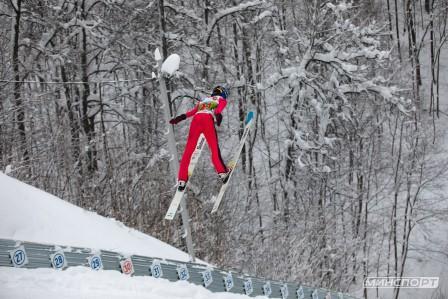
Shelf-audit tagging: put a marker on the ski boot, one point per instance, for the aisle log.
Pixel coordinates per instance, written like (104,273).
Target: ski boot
(181,185)
(224,176)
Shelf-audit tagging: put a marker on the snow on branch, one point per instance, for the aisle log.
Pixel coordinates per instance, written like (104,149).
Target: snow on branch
(340,7)
(332,58)
(346,60)
(388,93)
(292,73)
(225,12)
(343,58)
(182,10)
(260,17)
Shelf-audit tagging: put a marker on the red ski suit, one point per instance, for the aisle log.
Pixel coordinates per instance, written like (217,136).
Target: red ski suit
(203,122)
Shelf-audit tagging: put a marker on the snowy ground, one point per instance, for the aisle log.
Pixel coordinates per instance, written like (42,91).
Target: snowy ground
(83,283)
(30,214)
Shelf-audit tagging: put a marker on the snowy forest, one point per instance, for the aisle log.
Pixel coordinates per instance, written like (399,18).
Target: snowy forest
(341,175)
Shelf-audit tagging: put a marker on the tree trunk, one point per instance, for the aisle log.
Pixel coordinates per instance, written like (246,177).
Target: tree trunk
(207,42)
(432,58)
(394,215)
(397,30)
(389,16)
(163,29)
(19,106)
(74,124)
(414,55)
(88,122)
(162,24)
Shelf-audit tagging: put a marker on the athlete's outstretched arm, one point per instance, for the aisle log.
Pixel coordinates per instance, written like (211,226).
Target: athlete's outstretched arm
(192,112)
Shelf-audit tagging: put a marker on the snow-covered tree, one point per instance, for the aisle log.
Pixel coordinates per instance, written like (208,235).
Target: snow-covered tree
(329,188)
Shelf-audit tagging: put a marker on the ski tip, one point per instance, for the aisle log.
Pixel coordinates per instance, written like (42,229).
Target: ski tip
(169,216)
(215,208)
(249,117)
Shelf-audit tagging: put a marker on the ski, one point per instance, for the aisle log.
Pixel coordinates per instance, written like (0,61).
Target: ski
(175,202)
(248,124)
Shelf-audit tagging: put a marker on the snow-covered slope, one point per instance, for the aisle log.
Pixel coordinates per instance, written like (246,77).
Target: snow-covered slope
(82,283)
(30,214)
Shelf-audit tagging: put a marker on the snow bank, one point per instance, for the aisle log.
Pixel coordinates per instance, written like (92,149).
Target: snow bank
(29,214)
(81,282)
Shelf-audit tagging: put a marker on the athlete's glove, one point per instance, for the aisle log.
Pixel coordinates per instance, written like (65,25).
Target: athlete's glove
(178,119)
(218,118)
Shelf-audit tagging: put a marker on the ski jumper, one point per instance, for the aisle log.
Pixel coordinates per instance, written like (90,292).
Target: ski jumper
(203,122)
